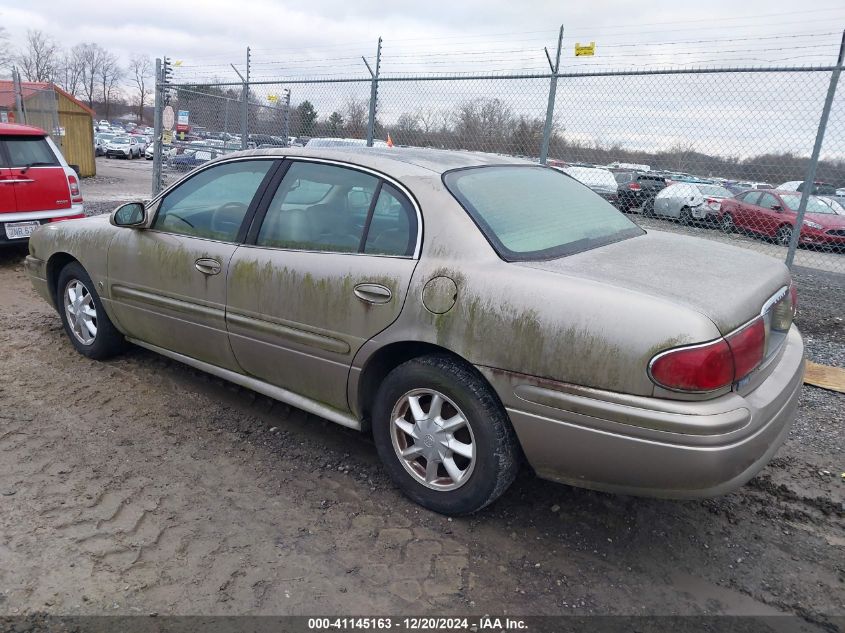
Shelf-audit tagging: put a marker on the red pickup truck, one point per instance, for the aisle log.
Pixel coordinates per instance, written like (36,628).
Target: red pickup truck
(36,183)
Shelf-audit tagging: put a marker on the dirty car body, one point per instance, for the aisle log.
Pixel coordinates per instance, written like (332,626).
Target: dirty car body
(397,291)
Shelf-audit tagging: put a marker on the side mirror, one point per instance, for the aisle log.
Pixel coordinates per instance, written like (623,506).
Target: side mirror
(130,214)
(776,207)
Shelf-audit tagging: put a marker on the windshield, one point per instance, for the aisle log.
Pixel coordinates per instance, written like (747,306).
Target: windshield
(536,212)
(714,190)
(814,204)
(120,141)
(834,204)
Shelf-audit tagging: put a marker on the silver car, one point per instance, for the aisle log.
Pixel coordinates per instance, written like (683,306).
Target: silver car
(690,202)
(469,311)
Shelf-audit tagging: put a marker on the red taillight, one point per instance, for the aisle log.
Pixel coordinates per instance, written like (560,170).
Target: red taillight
(634,186)
(75,193)
(704,367)
(748,346)
(711,366)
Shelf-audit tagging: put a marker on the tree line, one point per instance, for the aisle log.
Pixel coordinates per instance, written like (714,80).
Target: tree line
(86,70)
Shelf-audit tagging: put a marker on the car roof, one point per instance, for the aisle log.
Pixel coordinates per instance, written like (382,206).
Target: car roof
(435,161)
(16,129)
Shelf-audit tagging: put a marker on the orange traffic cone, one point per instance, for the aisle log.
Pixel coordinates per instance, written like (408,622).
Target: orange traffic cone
(389,140)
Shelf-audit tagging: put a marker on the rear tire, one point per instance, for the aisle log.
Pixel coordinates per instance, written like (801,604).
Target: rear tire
(685,218)
(727,223)
(443,435)
(648,208)
(85,320)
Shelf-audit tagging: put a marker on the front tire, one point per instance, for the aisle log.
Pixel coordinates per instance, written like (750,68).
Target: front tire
(685,217)
(727,223)
(443,435)
(85,320)
(784,235)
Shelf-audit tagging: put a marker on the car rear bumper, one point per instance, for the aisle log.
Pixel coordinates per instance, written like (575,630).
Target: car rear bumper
(651,446)
(42,217)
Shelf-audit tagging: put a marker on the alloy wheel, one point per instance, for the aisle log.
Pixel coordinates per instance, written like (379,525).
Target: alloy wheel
(784,235)
(81,312)
(433,439)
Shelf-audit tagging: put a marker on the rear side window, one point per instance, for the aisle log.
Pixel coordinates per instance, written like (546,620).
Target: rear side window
(393,226)
(750,197)
(536,212)
(33,151)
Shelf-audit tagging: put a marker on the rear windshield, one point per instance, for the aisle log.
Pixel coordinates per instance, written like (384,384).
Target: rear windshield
(537,212)
(33,151)
(714,190)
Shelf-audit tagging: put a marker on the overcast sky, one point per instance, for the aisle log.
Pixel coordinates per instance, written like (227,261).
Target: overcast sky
(449,35)
(328,37)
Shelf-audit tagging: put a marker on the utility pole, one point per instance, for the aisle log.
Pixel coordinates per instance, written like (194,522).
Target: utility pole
(371,121)
(550,109)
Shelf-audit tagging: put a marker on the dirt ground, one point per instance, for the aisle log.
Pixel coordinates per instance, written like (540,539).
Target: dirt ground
(140,486)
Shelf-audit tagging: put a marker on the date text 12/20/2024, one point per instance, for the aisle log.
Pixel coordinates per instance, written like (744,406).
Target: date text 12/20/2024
(483,623)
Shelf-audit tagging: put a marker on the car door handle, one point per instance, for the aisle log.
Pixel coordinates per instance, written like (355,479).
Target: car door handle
(17,180)
(373,293)
(208,266)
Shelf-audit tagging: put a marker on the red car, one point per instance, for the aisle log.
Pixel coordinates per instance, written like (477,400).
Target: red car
(772,213)
(36,183)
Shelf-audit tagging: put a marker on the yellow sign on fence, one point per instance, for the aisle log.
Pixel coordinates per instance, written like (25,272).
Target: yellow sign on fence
(586,49)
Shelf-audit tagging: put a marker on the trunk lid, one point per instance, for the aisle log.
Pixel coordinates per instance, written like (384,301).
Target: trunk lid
(728,285)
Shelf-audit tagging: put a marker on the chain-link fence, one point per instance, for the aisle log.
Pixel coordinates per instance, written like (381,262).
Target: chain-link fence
(30,104)
(728,154)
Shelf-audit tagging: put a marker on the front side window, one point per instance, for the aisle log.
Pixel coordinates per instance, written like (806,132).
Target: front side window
(536,212)
(213,203)
(767,201)
(316,208)
(33,151)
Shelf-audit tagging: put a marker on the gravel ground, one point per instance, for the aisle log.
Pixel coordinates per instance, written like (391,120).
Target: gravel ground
(140,485)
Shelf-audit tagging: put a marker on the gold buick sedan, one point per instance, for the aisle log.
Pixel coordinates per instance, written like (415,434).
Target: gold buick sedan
(473,312)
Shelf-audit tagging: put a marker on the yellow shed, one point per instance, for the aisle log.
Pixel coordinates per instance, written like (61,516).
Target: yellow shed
(69,122)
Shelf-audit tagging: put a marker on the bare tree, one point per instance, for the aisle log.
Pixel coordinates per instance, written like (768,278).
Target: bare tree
(427,119)
(5,51)
(40,57)
(90,57)
(356,118)
(141,70)
(70,71)
(110,74)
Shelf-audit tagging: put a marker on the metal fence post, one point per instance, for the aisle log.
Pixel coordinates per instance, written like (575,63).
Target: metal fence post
(550,108)
(245,106)
(287,117)
(157,131)
(371,120)
(18,90)
(807,188)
